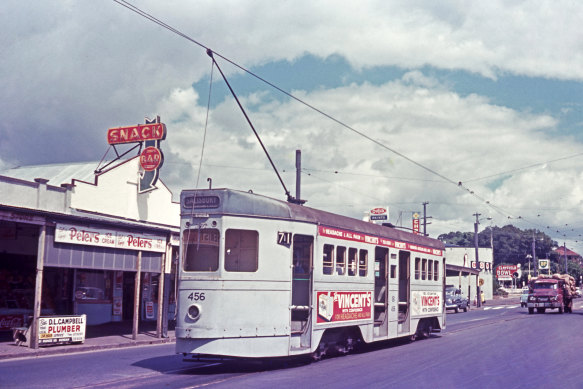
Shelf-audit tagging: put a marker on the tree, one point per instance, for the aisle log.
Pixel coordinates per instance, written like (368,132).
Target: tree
(511,245)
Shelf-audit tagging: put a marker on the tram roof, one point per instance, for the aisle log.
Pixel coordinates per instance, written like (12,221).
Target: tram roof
(241,203)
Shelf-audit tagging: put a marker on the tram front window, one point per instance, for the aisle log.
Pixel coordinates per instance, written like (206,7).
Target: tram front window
(241,250)
(201,249)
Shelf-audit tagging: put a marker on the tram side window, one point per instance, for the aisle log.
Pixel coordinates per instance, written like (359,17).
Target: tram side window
(424,269)
(362,262)
(340,260)
(417,270)
(393,271)
(352,261)
(328,259)
(201,249)
(430,270)
(436,270)
(241,250)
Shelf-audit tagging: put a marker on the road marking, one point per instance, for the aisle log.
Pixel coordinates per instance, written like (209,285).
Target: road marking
(501,307)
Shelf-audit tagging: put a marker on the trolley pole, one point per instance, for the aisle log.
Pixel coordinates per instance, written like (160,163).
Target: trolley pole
(478,295)
(298,173)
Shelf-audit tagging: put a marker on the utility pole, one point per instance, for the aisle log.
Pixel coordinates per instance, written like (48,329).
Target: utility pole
(425,217)
(565,254)
(478,295)
(533,254)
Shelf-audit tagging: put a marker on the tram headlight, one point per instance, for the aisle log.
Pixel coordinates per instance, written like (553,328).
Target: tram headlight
(193,312)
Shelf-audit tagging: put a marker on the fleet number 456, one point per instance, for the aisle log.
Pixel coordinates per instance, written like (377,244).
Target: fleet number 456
(196,296)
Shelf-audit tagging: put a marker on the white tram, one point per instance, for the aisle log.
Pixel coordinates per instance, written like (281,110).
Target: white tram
(259,277)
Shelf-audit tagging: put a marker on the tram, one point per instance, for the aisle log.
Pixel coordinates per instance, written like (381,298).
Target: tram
(261,278)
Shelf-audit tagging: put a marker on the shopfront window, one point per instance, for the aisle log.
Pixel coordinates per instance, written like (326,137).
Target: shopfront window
(93,285)
(201,249)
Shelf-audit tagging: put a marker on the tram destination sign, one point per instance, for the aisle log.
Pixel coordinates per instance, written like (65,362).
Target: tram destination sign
(202,202)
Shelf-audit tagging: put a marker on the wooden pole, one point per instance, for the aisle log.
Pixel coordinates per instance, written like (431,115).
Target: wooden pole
(40,260)
(137,296)
(161,294)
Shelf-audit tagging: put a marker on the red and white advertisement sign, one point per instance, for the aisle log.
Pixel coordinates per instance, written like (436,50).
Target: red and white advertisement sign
(9,321)
(357,237)
(505,272)
(379,215)
(138,133)
(149,310)
(425,302)
(483,265)
(61,329)
(66,233)
(415,224)
(150,159)
(344,306)
(117,306)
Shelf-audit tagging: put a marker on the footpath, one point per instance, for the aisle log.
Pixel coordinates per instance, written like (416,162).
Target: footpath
(118,335)
(105,336)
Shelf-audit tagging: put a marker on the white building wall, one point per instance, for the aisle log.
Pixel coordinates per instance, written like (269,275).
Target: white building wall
(464,256)
(32,195)
(116,193)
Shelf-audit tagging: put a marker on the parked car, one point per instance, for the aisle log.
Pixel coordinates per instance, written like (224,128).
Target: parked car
(524,296)
(454,299)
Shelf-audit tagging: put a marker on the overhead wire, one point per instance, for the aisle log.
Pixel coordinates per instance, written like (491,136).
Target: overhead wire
(524,168)
(459,184)
(341,123)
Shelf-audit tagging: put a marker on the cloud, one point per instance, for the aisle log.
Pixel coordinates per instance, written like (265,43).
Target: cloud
(457,137)
(72,69)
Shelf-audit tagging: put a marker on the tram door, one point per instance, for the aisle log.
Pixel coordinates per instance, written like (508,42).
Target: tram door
(393,308)
(301,289)
(381,291)
(404,286)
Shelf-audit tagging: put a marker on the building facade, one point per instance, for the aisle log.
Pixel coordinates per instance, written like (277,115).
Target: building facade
(73,241)
(462,271)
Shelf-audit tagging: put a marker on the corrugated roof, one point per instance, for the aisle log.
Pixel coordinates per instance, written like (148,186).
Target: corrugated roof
(57,174)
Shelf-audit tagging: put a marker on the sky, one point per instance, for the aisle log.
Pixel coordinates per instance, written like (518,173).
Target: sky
(470,107)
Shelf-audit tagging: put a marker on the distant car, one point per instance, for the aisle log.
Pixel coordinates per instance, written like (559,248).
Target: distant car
(454,299)
(524,297)
(578,291)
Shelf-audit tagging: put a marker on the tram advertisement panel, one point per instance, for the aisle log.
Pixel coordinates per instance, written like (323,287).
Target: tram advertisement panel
(344,306)
(425,302)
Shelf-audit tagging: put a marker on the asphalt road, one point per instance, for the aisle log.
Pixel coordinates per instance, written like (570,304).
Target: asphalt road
(491,348)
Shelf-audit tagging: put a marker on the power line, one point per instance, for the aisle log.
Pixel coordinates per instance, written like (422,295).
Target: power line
(524,168)
(459,184)
(341,123)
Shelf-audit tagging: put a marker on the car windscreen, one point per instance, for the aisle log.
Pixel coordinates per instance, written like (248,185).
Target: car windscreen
(545,285)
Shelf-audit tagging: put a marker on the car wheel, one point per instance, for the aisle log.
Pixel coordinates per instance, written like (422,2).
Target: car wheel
(466,308)
(457,309)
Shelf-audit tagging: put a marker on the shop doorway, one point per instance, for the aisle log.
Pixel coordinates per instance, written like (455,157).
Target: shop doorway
(129,280)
